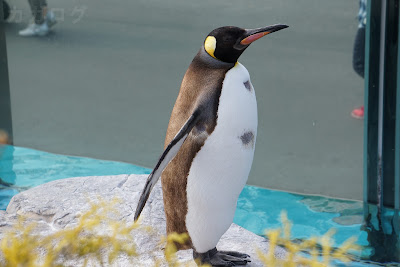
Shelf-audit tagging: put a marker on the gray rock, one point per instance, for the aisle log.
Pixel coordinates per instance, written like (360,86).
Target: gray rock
(58,204)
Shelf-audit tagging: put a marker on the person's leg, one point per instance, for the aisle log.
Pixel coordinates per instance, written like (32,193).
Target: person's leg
(39,26)
(359,52)
(39,10)
(358,65)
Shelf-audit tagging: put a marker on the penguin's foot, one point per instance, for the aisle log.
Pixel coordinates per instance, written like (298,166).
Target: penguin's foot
(221,258)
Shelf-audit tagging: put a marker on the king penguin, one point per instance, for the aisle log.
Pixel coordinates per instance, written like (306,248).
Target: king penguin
(209,145)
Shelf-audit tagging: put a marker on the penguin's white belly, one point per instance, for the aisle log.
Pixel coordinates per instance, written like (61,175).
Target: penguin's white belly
(220,169)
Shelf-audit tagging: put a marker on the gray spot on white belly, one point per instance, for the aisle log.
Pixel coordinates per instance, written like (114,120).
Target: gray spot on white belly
(247,139)
(247,85)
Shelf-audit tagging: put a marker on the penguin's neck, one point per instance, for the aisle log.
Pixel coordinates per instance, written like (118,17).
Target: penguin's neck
(203,58)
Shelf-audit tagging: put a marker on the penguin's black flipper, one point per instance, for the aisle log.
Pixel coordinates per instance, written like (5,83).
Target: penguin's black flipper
(168,154)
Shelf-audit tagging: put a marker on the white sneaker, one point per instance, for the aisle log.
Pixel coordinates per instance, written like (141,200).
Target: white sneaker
(34,29)
(50,19)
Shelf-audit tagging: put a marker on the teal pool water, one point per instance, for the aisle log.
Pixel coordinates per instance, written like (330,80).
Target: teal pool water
(22,168)
(258,208)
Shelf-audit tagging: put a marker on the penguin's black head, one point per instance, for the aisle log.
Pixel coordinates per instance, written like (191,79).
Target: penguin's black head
(228,43)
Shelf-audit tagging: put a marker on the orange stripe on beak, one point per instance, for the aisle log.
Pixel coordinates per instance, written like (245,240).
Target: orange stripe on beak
(248,40)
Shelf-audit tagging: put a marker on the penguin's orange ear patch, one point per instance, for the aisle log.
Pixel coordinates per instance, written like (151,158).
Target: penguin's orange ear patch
(249,39)
(210,44)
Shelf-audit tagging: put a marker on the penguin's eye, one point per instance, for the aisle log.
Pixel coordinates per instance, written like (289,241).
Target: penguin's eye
(227,40)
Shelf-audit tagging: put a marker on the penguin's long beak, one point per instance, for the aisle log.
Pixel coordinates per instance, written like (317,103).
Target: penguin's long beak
(252,35)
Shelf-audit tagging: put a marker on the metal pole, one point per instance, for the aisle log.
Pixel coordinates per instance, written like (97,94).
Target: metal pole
(397,136)
(380,105)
